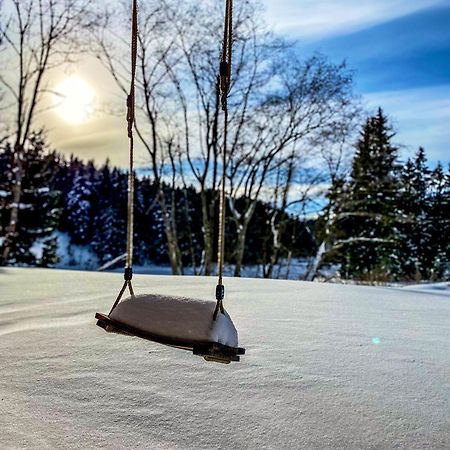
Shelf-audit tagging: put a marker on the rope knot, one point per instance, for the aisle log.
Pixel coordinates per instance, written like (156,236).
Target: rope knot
(224,82)
(128,274)
(130,114)
(220,292)
(224,69)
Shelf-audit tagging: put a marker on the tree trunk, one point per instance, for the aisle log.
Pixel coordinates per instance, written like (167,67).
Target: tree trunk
(208,235)
(288,265)
(14,215)
(188,220)
(241,221)
(313,267)
(240,247)
(173,249)
(275,256)
(315,264)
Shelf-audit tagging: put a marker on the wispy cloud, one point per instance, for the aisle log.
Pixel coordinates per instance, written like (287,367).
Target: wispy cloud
(421,117)
(316,19)
(394,55)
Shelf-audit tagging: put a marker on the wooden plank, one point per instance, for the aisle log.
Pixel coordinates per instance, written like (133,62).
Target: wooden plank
(212,351)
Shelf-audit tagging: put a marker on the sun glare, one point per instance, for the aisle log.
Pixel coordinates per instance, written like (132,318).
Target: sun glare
(74,100)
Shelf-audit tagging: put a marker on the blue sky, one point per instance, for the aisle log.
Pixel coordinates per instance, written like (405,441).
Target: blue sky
(400,51)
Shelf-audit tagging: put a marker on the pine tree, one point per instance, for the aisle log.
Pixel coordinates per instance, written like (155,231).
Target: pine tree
(410,262)
(49,256)
(109,234)
(415,225)
(63,181)
(6,165)
(80,208)
(39,211)
(446,225)
(368,219)
(439,218)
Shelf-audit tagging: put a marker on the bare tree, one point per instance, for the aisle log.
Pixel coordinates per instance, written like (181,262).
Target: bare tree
(39,36)
(303,185)
(199,35)
(291,191)
(198,42)
(335,161)
(307,102)
(155,106)
(276,103)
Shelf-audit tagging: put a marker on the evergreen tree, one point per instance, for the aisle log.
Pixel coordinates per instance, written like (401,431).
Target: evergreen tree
(6,165)
(39,212)
(368,217)
(410,263)
(80,208)
(63,181)
(439,218)
(415,224)
(145,200)
(49,256)
(109,234)
(189,228)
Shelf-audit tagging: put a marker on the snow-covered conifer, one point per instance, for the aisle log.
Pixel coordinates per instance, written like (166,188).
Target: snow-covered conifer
(39,209)
(368,216)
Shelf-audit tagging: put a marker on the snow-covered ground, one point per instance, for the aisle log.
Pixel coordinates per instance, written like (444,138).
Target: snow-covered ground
(431,288)
(327,366)
(82,257)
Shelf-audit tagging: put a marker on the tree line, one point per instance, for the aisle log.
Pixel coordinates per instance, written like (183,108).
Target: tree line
(89,204)
(383,221)
(285,110)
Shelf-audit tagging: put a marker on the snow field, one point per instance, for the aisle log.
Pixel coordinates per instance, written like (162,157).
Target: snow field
(327,366)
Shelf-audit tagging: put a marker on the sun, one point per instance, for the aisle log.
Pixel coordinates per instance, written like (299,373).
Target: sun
(74,100)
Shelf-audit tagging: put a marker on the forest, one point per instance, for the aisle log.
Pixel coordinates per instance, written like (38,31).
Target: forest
(312,176)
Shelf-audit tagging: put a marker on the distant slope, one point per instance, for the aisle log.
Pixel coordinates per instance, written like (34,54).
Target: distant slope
(430,288)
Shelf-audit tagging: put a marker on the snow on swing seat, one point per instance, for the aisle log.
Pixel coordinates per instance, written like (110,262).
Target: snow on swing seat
(179,318)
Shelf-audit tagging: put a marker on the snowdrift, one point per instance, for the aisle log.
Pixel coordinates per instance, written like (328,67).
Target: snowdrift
(327,366)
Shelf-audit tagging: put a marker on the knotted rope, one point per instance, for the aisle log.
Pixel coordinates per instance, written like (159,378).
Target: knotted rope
(131,114)
(224,85)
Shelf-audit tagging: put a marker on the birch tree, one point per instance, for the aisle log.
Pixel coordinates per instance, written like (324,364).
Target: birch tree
(198,28)
(39,36)
(155,105)
(306,101)
(335,162)
(293,191)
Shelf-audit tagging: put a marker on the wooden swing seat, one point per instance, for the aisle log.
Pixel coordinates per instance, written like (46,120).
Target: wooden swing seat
(210,351)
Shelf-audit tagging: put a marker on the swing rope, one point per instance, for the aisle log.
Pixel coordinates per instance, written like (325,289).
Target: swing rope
(131,101)
(224,80)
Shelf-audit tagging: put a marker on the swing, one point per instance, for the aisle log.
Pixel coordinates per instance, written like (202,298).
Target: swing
(200,326)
